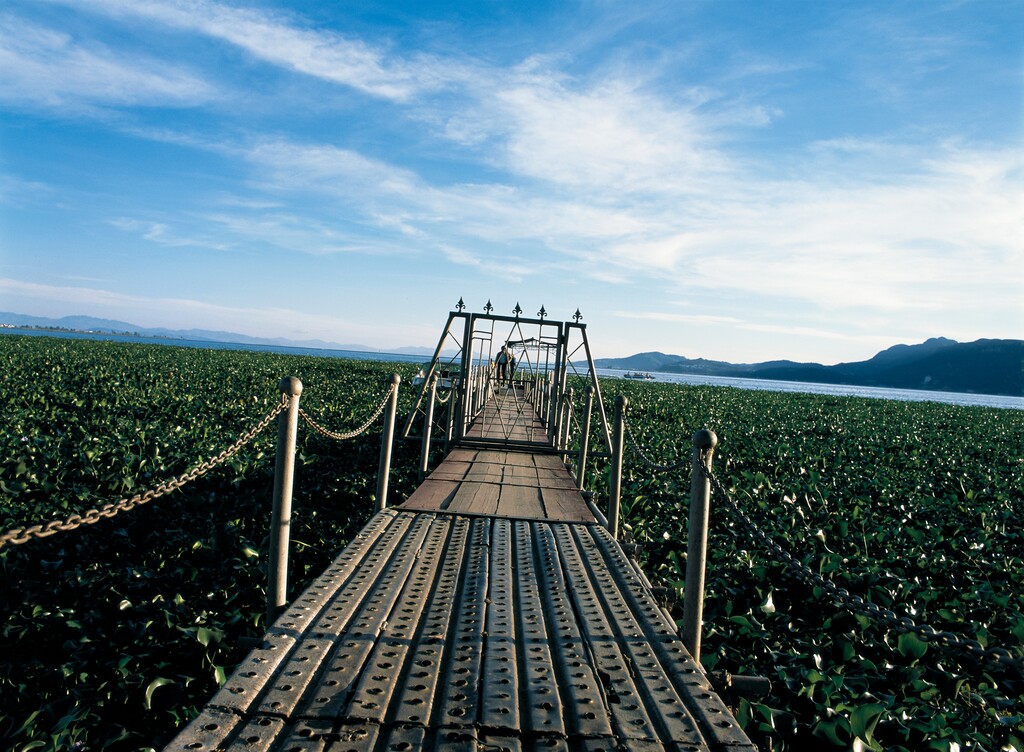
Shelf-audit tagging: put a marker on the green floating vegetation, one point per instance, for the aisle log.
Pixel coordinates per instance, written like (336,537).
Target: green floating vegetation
(116,634)
(916,507)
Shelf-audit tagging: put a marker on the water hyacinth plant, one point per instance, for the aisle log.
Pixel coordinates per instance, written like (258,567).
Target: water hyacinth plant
(113,635)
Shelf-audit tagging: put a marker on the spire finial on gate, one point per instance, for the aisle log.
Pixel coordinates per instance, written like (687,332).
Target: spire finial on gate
(517,310)
(460,306)
(577,316)
(542,313)
(488,308)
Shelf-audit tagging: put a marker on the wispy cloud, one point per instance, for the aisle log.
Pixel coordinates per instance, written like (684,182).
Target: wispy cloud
(61,300)
(926,240)
(278,39)
(620,173)
(43,67)
(163,234)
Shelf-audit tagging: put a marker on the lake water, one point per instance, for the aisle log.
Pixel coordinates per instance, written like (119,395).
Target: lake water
(842,390)
(906,395)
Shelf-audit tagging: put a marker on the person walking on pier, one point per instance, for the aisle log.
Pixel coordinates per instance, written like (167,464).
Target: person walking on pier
(502,362)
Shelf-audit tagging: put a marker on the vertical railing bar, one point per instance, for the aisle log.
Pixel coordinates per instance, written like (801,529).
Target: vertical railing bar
(704,442)
(581,462)
(428,427)
(280,522)
(386,440)
(615,478)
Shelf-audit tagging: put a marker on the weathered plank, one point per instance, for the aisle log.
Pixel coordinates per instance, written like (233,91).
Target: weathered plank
(432,494)
(520,501)
(503,483)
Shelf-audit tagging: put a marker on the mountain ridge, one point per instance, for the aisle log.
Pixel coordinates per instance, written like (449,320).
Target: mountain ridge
(985,366)
(113,326)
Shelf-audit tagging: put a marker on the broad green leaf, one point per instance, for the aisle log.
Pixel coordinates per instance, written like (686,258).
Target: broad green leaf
(864,719)
(153,687)
(912,646)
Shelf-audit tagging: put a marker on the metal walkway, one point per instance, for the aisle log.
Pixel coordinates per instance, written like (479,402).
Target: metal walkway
(488,612)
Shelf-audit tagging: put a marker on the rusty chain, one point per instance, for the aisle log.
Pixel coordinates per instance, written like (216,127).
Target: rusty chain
(639,452)
(350,434)
(854,603)
(18,535)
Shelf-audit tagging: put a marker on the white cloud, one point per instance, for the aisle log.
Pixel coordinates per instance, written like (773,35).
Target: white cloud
(163,234)
(605,137)
(49,68)
(678,318)
(604,173)
(276,38)
(936,236)
(146,311)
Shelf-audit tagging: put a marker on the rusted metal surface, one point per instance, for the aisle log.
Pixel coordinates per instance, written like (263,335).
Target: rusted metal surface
(450,632)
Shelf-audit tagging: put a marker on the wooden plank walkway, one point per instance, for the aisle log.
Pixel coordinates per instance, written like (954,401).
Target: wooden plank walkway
(488,612)
(504,484)
(508,417)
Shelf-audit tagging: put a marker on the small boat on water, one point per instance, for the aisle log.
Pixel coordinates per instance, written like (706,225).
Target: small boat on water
(644,376)
(445,379)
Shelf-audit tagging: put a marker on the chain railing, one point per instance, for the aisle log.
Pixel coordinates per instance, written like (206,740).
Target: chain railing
(639,452)
(345,436)
(855,604)
(19,535)
(291,389)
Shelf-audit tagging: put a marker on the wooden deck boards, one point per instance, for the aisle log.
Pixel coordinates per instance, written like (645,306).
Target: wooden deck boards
(508,417)
(503,484)
(488,612)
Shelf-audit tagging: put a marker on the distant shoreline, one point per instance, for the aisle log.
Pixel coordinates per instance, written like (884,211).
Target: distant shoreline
(964,399)
(212,344)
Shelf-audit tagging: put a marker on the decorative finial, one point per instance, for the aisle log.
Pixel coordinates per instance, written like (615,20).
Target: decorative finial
(517,310)
(542,313)
(460,306)
(577,316)
(488,308)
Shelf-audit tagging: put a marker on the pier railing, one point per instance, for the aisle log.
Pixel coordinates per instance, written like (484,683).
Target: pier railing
(287,413)
(703,481)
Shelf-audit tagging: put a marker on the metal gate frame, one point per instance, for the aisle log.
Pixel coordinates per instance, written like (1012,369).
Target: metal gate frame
(464,373)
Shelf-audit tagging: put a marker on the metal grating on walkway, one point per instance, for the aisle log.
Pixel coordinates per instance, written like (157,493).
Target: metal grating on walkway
(449,632)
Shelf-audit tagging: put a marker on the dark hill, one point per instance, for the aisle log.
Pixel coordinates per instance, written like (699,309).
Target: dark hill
(987,366)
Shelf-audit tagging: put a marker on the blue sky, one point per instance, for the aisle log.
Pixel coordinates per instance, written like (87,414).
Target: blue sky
(723,179)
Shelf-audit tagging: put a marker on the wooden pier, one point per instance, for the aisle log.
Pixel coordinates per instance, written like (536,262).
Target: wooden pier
(489,611)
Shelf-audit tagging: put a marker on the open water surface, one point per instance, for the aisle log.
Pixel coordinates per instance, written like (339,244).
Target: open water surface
(906,395)
(842,390)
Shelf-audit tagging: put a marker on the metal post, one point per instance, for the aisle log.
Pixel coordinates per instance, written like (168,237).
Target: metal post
(704,442)
(538,397)
(618,450)
(386,439)
(581,462)
(552,404)
(280,521)
(464,391)
(428,428)
(450,412)
(566,422)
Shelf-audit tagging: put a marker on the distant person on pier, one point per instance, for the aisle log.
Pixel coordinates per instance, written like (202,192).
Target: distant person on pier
(501,361)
